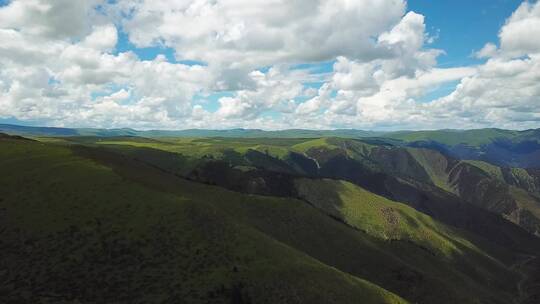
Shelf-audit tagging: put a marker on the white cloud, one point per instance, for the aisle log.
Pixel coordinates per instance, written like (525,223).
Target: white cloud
(274,89)
(489,50)
(504,93)
(406,40)
(103,38)
(519,36)
(387,93)
(259,33)
(350,75)
(58,19)
(315,104)
(80,82)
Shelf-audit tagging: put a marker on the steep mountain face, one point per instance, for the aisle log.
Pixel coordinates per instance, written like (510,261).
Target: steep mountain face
(490,188)
(430,181)
(499,147)
(510,192)
(526,179)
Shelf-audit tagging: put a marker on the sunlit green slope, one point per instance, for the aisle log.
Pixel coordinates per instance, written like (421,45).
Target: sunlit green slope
(75,231)
(120,224)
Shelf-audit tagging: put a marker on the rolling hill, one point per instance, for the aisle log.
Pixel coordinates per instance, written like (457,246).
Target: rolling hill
(247,220)
(74,230)
(428,180)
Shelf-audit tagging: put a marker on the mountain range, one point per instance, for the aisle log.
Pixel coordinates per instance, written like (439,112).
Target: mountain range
(508,148)
(251,216)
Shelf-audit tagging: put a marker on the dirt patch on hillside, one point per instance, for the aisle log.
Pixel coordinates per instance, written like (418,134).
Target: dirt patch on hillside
(390,215)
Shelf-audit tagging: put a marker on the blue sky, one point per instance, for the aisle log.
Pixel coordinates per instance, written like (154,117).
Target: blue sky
(370,64)
(463,26)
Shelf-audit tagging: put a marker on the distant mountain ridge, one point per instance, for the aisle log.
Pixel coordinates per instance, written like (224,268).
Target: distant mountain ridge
(506,148)
(449,137)
(238,132)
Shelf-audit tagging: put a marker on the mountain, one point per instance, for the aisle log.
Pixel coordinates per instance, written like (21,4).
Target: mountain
(77,230)
(118,219)
(428,180)
(51,131)
(500,147)
(231,133)
(511,192)
(506,148)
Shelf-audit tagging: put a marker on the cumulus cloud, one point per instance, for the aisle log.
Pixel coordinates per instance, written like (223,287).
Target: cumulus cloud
(387,92)
(59,19)
(489,50)
(85,87)
(406,40)
(47,74)
(502,92)
(260,33)
(518,34)
(103,37)
(274,89)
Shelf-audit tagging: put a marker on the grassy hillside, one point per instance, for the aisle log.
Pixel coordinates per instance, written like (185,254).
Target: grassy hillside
(379,216)
(496,146)
(510,192)
(245,164)
(131,229)
(361,254)
(455,137)
(396,222)
(74,230)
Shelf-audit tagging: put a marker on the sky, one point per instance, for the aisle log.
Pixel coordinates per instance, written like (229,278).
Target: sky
(272,64)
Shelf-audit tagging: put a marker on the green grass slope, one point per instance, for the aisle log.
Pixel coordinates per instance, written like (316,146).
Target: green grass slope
(75,231)
(455,137)
(404,266)
(379,216)
(423,261)
(477,182)
(511,192)
(395,222)
(157,237)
